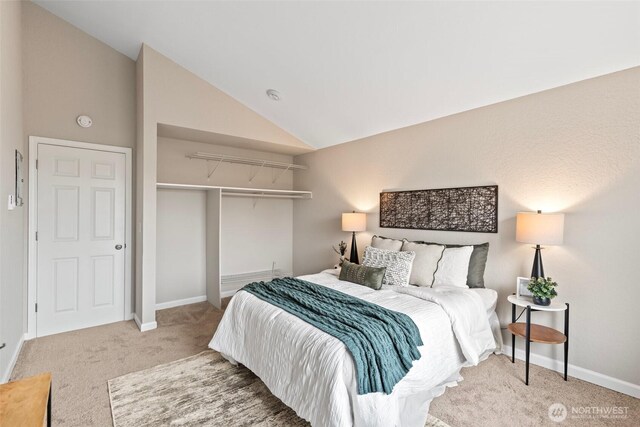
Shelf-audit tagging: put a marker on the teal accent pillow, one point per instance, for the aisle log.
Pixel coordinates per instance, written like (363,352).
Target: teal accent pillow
(362,275)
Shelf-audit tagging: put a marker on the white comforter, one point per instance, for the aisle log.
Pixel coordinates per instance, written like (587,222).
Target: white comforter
(314,374)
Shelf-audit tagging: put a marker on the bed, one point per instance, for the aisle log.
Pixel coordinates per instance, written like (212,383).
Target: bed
(313,373)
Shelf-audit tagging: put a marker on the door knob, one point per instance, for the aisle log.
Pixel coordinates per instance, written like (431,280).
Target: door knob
(118,247)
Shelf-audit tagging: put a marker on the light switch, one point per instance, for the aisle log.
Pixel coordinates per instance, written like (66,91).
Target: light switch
(11,205)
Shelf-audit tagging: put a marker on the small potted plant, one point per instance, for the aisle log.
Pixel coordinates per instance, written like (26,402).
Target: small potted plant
(342,248)
(543,290)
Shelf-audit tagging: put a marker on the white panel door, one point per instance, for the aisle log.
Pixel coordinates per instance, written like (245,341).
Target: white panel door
(81,238)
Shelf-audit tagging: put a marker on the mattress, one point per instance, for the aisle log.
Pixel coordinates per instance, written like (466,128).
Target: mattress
(312,363)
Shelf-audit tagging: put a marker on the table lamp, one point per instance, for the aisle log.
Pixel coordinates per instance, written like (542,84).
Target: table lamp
(539,229)
(354,221)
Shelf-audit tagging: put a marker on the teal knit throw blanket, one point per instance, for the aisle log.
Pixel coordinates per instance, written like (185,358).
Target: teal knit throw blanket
(383,342)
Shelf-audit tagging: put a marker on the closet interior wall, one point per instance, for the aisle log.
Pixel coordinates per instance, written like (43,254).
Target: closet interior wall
(255,234)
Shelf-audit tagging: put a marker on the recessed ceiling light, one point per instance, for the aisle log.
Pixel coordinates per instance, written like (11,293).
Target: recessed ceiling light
(274,95)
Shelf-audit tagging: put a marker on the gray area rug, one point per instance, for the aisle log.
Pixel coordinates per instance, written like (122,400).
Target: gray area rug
(203,390)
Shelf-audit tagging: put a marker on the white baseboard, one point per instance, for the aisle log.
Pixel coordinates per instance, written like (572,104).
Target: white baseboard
(228,293)
(144,327)
(6,376)
(577,372)
(179,302)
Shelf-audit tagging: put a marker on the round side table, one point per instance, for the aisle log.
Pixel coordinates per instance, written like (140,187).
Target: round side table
(537,333)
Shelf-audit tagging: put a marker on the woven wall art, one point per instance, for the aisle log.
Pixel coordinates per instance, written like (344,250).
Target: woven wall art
(472,209)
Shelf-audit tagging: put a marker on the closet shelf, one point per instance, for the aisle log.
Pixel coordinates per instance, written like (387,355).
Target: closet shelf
(260,163)
(241,191)
(224,158)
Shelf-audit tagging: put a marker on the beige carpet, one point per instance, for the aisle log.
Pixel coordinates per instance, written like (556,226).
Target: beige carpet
(83,361)
(201,390)
(492,394)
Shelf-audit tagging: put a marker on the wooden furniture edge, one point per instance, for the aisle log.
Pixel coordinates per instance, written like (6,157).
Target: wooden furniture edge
(539,333)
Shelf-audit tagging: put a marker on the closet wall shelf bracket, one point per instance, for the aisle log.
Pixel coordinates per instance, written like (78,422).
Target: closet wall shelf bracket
(256,172)
(215,167)
(279,174)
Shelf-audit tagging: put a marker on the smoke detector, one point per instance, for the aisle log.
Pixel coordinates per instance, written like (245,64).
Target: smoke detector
(273,94)
(84,121)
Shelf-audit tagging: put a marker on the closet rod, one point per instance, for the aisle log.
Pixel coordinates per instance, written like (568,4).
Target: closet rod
(266,196)
(244,161)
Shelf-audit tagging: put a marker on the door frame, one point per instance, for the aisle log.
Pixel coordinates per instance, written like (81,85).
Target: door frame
(32,278)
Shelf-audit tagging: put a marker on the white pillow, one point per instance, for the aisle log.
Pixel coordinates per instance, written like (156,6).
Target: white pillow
(386,244)
(398,264)
(425,263)
(453,267)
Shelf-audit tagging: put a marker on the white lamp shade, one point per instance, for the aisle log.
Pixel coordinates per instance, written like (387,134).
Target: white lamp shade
(540,228)
(354,221)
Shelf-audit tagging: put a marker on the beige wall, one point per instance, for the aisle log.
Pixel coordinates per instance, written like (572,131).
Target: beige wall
(169,94)
(12,230)
(143,164)
(574,149)
(182,249)
(67,73)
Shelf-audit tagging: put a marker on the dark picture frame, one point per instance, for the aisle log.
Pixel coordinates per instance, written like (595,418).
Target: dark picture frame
(468,209)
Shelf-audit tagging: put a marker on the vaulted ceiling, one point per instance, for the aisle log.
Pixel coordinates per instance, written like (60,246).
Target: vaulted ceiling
(346,70)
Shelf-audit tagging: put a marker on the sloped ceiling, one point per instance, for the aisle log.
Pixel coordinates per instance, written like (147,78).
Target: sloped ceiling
(347,70)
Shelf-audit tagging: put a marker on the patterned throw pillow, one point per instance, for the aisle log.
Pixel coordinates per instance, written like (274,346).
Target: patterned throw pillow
(362,275)
(398,264)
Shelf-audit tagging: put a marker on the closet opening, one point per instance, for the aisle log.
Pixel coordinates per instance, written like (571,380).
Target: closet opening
(221,224)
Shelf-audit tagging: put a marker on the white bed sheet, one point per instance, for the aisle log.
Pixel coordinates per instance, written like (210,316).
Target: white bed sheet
(313,372)
(489,298)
